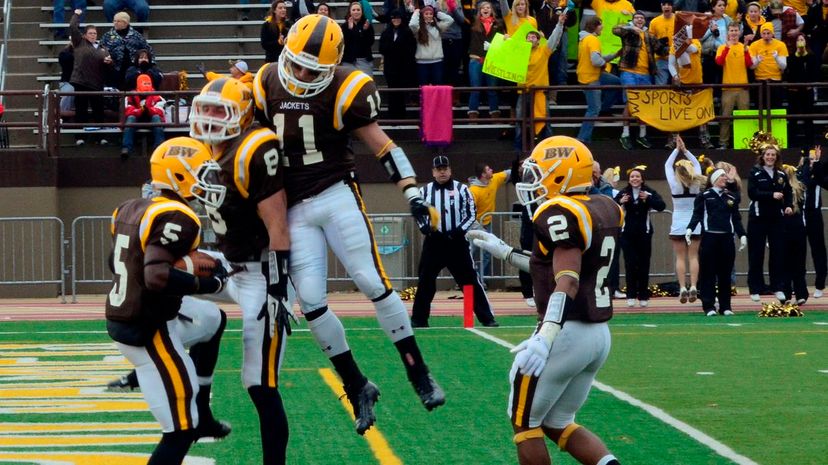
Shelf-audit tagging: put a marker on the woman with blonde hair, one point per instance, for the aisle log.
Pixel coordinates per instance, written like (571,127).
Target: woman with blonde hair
(686,182)
(793,243)
(517,15)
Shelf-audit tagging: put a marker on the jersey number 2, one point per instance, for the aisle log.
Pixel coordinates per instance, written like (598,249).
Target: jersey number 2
(118,293)
(602,292)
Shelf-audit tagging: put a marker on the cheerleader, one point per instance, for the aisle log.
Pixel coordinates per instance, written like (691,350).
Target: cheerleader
(611,176)
(717,211)
(637,200)
(686,181)
(770,198)
(793,243)
(809,173)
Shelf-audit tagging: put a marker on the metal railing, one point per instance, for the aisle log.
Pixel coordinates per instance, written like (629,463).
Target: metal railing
(32,252)
(4,46)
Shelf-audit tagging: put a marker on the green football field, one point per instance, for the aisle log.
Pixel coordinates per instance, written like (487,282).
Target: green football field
(677,389)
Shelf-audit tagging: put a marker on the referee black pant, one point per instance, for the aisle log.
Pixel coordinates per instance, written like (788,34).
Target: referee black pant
(716,256)
(815,229)
(444,251)
(761,230)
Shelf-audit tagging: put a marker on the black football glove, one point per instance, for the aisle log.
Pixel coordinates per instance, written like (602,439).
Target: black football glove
(277,308)
(425,215)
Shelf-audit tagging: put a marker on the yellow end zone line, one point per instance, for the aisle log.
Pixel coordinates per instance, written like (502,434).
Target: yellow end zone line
(22,428)
(379,446)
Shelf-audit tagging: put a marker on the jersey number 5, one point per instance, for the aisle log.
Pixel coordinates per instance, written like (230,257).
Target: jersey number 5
(118,293)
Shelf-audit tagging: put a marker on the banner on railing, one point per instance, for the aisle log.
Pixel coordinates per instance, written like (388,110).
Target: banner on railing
(669,110)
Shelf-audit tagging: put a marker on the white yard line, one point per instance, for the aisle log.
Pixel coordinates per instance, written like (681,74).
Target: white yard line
(656,412)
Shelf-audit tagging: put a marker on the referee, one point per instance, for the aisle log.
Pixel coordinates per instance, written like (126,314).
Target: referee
(446,247)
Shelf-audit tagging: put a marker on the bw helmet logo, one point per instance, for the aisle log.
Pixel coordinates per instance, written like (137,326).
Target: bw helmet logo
(180,151)
(552,153)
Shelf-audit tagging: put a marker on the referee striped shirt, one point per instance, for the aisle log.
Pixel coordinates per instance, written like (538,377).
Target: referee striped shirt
(454,204)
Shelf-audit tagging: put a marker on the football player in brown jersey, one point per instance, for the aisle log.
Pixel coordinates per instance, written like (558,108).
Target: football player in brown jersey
(242,191)
(571,257)
(316,106)
(141,309)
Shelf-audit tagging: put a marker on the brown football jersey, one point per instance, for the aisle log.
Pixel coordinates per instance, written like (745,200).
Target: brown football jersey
(314,132)
(250,172)
(590,223)
(137,224)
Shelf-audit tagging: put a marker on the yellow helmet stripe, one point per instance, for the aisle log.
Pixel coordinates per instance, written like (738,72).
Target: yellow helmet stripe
(162,206)
(259,92)
(244,156)
(346,94)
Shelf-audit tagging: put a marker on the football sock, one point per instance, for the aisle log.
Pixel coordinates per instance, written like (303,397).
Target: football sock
(642,131)
(132,378)
(205,415)
(328,331)
(346,366)
(273,423)
(393,317)
(172,448)
(625,132)
(411,357)
(205,354)
(608,460)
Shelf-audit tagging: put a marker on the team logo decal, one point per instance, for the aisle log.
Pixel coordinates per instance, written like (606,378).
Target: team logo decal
(557,152)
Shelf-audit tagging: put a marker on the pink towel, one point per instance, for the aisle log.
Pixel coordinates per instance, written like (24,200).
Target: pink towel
(435,115)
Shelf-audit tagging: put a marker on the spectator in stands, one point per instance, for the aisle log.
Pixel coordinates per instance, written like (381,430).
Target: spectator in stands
(637,66)
(537,75)
(808,172)
(686,182)
(735,60)
(66,59)
(303,8)
(787,23)
(404,7)
(482,31)
(770,199)
(397,46)
(514,17)
(238,70)
(90,67)
(454,50)
(274,30)
(111,9)
(663,27)
(689,64)
(546,15)
(751,23)
(793,246)
(428,26)
(143,65)
(637,200)
(611,176)
(769,57)
(713,38)
(123,43)
(803,66)
(483,188)
(59,15)
(816,28)
(358,37)
(142,109)
(325,10)
(696,6)
(591,72)
(244,13)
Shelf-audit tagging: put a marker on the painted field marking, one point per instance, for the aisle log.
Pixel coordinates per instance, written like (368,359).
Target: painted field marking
(87,458)
(823,371)
(379,446)
(656,412)
(705,373)
(74,427)
(76,440)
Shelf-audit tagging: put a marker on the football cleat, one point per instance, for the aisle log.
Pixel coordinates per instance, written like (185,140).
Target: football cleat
(216,429)
(126,383)
(431,394)
(362,401)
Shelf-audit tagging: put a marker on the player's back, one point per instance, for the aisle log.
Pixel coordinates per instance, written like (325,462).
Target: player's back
(590,223)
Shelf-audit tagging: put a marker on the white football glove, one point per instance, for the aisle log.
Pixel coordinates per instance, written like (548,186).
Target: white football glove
(687,235)
(490,243)
(531,355)
(742,243)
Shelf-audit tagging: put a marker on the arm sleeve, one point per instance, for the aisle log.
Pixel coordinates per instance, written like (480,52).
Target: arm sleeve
(597,60)
(782,62)
(504,8)
(720,58)
(555,37)
(671,66)
(698,211)
(470,210)
(414,22)
(175,230)
(787,193)
(444,21)
(670,173)
(748,59)
(655,201)
(303,8)
(264,170)
(74,30)
(736,219)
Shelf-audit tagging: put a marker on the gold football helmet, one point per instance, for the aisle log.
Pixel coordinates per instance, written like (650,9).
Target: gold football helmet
(174,164)
(558,165)
(314,43)
(221,111)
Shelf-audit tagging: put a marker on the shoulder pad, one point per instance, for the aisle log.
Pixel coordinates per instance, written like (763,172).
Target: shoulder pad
(577,209)
(159,207)
(346,93)
(252,143)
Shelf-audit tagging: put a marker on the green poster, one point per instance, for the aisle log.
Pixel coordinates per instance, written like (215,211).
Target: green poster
(611,43)
(743,129)
(572,36)
(508,59)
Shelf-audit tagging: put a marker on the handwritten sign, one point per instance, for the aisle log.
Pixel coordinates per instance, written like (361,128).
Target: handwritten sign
(669,110)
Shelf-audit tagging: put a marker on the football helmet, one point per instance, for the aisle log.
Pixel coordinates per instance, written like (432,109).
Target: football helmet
(221,111)
(314,43)
(557,165)
(174,164)
(208,187)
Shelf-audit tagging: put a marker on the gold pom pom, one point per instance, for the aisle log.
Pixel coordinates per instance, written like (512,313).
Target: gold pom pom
(182,81)
(408,294)
(760,141)
(777,310)
(637,168)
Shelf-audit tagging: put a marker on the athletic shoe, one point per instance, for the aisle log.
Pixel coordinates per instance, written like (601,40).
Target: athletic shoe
(619,295)
(801,301)
(491,324)
(818,293)
(683,296)
(644,143)
(754,297)
(362,401)
(418,324)
(431,394)
(780,296)
(727,313)
(711,313)
(126,383)
(530,302)
(644,303)
(630,302)
(626,142)
(216,429)
(693,294)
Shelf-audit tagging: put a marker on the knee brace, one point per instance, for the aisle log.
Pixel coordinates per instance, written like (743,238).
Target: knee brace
(392,316)
(533,433)
(567,432)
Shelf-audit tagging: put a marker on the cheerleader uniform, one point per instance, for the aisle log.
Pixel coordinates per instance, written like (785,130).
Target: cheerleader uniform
(814,225)
(765,224)
(637,240)
(683,197)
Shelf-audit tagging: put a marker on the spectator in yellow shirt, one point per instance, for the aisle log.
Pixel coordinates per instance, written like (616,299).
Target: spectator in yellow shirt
(591,72)
(769,57)
(483,188)
(238,70)
(690,72)
(663,27)
(609,41)
(514,17)
(734,58)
